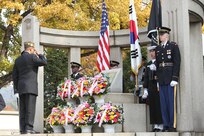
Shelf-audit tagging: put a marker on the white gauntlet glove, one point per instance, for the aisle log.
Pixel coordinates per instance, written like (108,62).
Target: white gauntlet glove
(153,67)
(16,95)
(144,96)
(173,83)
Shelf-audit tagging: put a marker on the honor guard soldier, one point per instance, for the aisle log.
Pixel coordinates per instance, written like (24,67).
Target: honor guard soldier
(140,78)
(74,76)
(151,91)
(75,70)
(168,65)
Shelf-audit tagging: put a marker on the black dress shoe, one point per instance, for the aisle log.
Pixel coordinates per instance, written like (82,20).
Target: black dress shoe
(155,130)
(172,130)
(165,130)
(22,132)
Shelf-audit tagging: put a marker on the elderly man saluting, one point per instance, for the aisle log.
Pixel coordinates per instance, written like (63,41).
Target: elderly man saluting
(25,73)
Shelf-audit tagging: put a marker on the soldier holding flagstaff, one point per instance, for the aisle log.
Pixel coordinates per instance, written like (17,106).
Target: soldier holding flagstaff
(168,65)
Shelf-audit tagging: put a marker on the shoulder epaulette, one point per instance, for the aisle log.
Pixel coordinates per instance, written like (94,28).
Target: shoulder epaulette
(174,43)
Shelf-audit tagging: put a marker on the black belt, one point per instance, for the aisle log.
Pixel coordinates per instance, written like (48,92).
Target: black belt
(166,64)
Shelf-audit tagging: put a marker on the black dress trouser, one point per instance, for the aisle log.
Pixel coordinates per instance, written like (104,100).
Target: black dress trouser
(27,111)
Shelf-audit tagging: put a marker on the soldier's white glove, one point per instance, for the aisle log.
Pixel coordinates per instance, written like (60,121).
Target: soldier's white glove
(153,67)
(157,86)
(173,83)
(140,86)
(144,96)
(16,95)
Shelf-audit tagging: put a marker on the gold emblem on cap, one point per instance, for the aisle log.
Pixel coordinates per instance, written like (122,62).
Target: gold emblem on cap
(29,44)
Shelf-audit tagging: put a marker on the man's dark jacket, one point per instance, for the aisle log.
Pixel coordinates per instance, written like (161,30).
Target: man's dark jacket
(25,73)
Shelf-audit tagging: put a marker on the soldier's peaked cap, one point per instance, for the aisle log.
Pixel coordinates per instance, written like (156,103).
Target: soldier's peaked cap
(114,63)
(150,48)
(75,64)
(29,44)
(163,30)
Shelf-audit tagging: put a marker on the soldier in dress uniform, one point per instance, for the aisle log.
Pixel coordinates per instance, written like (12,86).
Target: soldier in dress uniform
(151,91)
(75,70)
(74,76)
(140,79)
(168,65)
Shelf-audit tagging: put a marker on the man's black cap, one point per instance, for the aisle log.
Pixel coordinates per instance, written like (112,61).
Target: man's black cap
(114,63)
(163,30)
(29,44)
(75,64)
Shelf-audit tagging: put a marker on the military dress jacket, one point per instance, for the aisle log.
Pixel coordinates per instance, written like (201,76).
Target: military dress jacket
(150,82)
(150,79)
(25,73)
(168,61)
(76,76)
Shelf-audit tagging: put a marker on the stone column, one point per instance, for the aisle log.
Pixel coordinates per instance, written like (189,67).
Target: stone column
(188,37)
(116,54)
(196,64)
(74,55)
(30,32)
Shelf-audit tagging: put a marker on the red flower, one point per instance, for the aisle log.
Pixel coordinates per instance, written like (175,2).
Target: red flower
(90,111)
(115,120)
(117,114)
(107,118)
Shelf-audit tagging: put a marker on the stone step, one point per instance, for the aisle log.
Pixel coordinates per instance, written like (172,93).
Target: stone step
(14,133)
(9,132)
(120,98)
(101,134)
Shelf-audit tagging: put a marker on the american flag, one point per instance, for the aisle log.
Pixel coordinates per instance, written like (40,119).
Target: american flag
(103,58)
(136,56)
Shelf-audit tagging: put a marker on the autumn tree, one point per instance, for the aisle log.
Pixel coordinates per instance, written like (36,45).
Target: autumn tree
(86,14)
(58,14)
(12,13)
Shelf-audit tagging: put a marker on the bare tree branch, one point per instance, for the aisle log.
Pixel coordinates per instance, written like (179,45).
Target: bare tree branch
(26,13)
(6,39)
(4,80)
(16,39)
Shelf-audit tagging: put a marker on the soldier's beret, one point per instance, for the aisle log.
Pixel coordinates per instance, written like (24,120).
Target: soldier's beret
(150,48)
(29,44)
(75,64)
(114,63)
(163,30)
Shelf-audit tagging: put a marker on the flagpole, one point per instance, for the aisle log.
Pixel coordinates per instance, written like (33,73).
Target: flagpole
(157,36)
(135,51)
(136,82)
